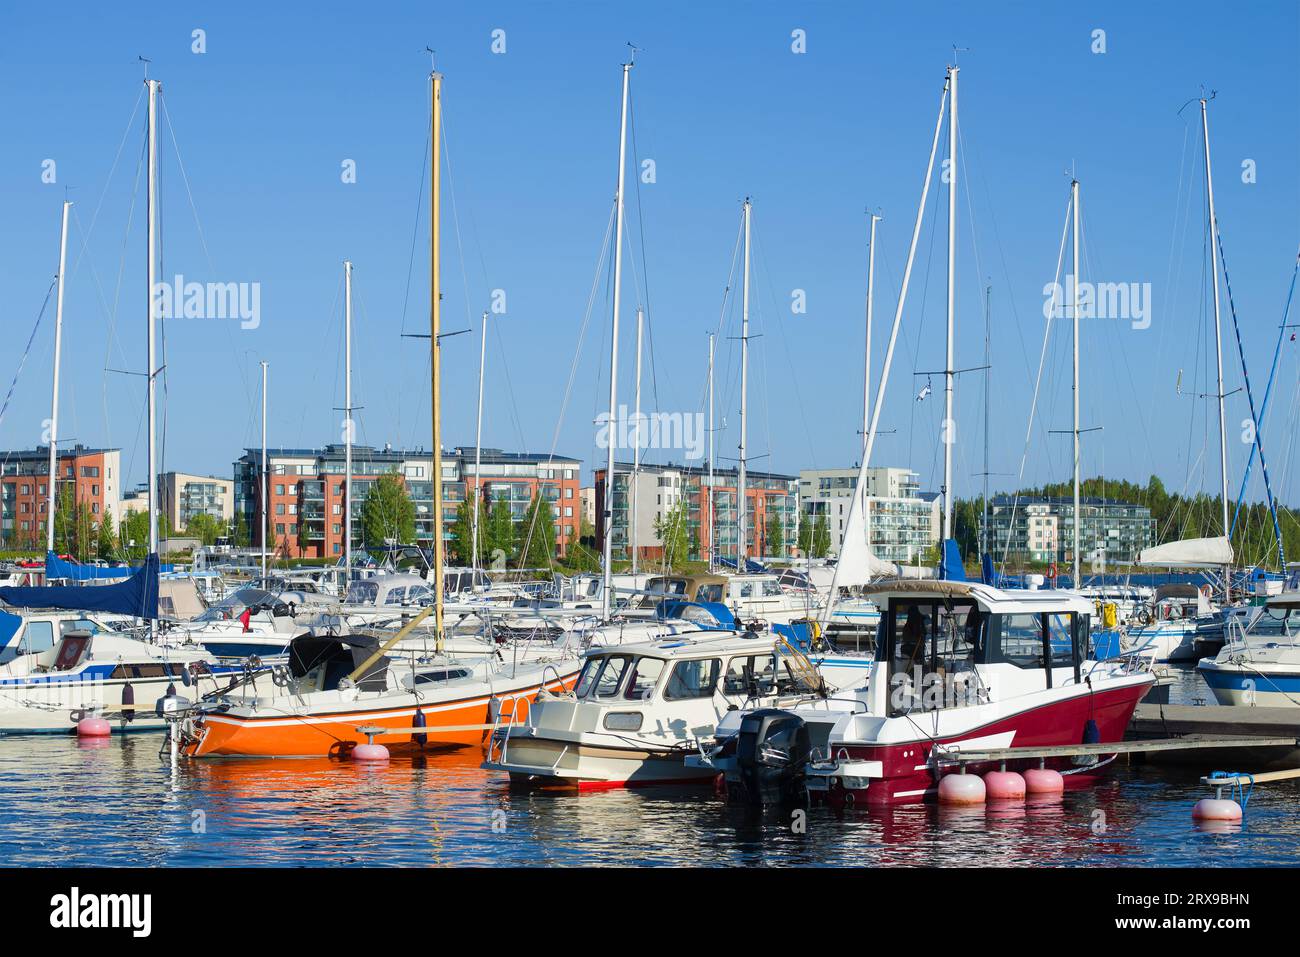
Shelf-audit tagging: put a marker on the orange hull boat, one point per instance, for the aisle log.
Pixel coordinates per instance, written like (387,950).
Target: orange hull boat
(332,732)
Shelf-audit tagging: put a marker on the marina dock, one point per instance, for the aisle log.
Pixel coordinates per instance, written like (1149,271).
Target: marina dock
(1161,721)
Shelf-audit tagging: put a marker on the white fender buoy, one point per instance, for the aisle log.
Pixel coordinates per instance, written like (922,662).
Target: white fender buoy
(1216,809)
(370,752)
(961,789)
(1043,781)
(93,728)
(1005,785)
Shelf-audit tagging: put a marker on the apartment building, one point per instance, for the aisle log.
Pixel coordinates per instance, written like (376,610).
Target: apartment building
(307,498)
(1042,529)
(85,475)
(902,522)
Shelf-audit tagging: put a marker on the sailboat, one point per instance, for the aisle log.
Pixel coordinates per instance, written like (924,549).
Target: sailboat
(339,692)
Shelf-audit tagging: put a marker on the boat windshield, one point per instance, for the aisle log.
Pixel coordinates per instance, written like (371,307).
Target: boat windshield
(602,678)
(365,592)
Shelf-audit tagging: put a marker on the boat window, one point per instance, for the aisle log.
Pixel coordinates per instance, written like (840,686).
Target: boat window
(693,679)
(1061,640)
(709,593)
(396,596)
(645,675)
(931,643)
(362,593)
(445,674)
(39,636)
(78,624)
(587,677)
(611,676)
(418,593)
(751,675)
(772,589)
(1022,640)
(747,590)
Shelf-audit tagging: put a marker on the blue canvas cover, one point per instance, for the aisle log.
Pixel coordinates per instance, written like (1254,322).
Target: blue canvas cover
(137,595)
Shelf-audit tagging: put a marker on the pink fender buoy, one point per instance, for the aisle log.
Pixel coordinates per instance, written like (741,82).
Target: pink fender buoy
(961,789)
(370,752)
(1005,786)
(1043,781)
(1216,809)
(93,728)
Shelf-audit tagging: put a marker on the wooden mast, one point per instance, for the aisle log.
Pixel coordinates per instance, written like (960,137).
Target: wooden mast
(435,316)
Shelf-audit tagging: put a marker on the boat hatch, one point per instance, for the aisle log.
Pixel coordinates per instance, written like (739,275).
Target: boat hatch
(932,646)
(72,649)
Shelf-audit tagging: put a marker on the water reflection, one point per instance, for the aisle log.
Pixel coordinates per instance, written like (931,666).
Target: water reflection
(118,802)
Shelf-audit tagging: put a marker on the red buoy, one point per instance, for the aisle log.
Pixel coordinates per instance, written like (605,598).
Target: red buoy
(961,789)
(370,752)
(93,727)
(1005,785)
(1043,781)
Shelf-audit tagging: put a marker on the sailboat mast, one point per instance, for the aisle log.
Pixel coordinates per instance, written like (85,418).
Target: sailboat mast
(347,422)
(151,234)
(478,455)
(1218,333)
(435,320)
(988,356)
(1078,535)
(613,355)
(949,425)
(866,364)
(54,398)
(708,507)
(266,468)
(741,542)
(636,442)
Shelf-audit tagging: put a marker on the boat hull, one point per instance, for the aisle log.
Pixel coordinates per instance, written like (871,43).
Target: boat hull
(907,777)
(458,722)
(549,762)
(1259,686)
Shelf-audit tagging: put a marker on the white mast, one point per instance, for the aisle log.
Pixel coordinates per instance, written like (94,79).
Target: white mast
(866,364)
(151,234)
(613,355)
(478,456)
(1218,333)
(988,334)
(741,543)
(949,426)
(54,399)
(708,506)
(1078,536)
(636,442)
(266,468)
(347,424)
(856,502)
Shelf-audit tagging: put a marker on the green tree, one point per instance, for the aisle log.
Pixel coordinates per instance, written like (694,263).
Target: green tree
(240,533)
(388,512)
(537,532)
(462,531)
(673,534)
(821,538)
(206,528)
(134,535)
(806,536)
(775,536)
(501,536)
(106,546)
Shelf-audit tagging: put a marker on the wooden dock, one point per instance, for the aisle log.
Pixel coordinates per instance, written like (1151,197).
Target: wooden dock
(1153,720)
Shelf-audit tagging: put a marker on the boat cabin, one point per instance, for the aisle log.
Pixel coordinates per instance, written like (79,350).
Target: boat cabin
(383,590)
(948,644)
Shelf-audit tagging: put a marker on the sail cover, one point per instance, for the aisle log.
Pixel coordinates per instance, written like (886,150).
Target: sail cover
(137,595)
(56,567)
(1188,553)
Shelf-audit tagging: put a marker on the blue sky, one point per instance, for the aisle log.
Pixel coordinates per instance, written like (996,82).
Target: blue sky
(284,95)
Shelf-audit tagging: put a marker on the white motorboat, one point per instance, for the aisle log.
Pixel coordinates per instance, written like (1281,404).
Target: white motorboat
(638,710)
(95,672)
(1259,663)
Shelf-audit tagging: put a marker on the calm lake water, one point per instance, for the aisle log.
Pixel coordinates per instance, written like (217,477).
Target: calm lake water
(63,802)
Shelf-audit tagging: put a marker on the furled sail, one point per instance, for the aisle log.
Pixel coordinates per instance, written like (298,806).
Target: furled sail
(1188,553)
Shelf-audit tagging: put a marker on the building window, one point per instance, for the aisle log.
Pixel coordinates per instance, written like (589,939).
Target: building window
(279,509)
(279,490)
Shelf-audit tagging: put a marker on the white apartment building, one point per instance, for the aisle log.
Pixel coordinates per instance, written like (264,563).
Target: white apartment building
(901,522)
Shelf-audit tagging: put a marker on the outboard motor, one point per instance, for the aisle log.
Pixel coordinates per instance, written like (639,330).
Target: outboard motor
(772,750)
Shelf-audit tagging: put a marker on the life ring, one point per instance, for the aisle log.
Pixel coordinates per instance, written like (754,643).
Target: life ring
(1051,571)
(1205,591)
